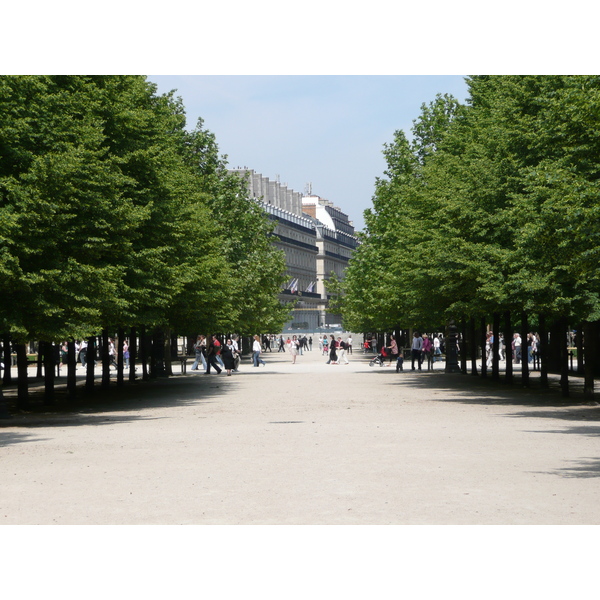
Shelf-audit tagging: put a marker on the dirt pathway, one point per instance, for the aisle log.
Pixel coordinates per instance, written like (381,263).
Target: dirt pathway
(308,443)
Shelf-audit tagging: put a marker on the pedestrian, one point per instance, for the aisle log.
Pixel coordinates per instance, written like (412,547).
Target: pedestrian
(281,344)
(236,353)
(294,345)
(256,349)
(64,354)
(211,355)
(489,349)
(415,351)
(342,351)
(393,350)
(426,350)
(227,356)
(437,352)
(349,344)
(310,343)
(333,357)
(83,352)
(200,352)
(217,343)
(112,352)
(126,353)
(517,346)
(531,347)
(325,345)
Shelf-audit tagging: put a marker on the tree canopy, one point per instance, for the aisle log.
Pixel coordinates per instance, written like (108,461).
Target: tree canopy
(111,213)
(492,205)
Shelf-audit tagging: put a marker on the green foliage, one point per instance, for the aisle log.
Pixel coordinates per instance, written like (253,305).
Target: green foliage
(492,206)
(111,213)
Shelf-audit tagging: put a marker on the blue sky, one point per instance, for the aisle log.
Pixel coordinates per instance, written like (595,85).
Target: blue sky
(325,130)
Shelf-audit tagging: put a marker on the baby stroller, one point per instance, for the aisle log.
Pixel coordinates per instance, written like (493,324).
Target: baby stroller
(380,358)
(386,353)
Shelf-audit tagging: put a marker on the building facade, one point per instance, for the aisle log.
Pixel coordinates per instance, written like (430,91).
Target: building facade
(317,239)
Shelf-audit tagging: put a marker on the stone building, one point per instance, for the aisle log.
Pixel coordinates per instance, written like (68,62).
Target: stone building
(317,239)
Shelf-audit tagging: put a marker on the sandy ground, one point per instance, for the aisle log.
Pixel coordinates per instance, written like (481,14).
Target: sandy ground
(308,443)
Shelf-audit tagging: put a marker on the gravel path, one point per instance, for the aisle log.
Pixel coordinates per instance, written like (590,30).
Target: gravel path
(308,443)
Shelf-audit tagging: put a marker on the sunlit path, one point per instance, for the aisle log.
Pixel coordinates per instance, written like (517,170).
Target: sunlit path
(308,443)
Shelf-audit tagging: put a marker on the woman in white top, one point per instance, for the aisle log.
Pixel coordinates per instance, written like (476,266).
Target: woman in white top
(256,349)
(294,348)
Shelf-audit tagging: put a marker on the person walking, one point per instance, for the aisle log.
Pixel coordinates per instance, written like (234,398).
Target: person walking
(294,346)
(200,351)
(517,347)
(427,351)
(126,353)
(211,355)
(349,344)
(437,351)
(228,357)
(333,357)
(83,352)
(393,350)
(342,351)
(325,345)
(256,350)
(112,353)
(415,351)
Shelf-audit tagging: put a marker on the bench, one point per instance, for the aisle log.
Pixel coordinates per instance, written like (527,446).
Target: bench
(183,360)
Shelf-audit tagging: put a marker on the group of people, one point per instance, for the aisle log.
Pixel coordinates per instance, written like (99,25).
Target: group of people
(423,349)
(336,349)
(300,343)
(81,348)
(532,344)
(325,344)
(212,353)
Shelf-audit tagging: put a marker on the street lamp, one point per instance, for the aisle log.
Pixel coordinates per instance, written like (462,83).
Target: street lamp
(452,365)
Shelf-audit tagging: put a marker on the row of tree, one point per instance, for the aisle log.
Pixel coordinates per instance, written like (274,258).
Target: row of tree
(491,209)
(113,215)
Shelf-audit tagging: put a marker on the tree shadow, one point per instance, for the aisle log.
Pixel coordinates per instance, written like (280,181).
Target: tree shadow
(588,468)
(477,390)
(90,408)
(14,437)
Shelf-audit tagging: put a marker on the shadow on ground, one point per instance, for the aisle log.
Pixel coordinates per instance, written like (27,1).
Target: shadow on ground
(91,408)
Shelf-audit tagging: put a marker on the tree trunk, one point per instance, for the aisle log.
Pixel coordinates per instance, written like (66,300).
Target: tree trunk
(482,341)
(22,379)
(71,370)
(132,353)
(496,347)
(90,362)
(49,373)
(564,358)
(525,345)
(589,348)
(105,361)
(168,367)
(120,361)
(5,358)
(144,352)
(39,371)
(7,375)
(463,346)
(543,350)
(508,337)
(472,346)
(580,353)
